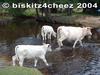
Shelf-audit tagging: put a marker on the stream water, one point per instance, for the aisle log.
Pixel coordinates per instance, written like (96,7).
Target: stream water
(86,61)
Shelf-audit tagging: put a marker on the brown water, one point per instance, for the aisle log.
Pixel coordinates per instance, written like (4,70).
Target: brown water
(66,61)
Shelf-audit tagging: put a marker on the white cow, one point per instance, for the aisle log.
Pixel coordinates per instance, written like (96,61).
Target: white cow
(72,34)
(30,51)
(46,32)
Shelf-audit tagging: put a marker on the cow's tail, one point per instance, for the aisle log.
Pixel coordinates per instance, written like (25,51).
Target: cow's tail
(16,53)
(42,32)
(54,33)
(58,33)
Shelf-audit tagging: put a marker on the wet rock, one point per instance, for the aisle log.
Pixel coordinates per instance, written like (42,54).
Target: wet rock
(28,41)
(4,49)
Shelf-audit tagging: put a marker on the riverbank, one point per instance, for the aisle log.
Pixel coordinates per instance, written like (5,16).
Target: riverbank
(75,20)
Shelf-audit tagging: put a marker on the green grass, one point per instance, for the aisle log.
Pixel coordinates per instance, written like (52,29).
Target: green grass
(19,71)
(30,12)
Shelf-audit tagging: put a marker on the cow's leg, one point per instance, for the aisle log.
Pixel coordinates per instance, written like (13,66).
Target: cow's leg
(49,36)
(60,41)
(75,43)
(44,60)
(35,62)
(21,59)
(14,60)
(42,34)
(45,37)
(81,43)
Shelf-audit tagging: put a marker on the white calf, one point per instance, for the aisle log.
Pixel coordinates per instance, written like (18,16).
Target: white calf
(29,52)
(46,32)
(72,34)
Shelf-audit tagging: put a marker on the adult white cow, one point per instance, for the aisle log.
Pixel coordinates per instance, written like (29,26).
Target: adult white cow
(30,51)
(47,32)
(72,34)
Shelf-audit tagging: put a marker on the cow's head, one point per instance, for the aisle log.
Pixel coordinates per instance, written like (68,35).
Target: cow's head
(48,47)
(87,30)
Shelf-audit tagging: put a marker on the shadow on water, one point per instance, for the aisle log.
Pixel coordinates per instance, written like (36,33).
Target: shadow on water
(85,62)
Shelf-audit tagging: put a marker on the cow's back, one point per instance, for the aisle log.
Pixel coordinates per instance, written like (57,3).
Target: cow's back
(30,51)
(71,33)
(74,32)
(48,28)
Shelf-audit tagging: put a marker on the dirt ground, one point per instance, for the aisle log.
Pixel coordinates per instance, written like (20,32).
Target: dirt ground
(77,20)
(89,21)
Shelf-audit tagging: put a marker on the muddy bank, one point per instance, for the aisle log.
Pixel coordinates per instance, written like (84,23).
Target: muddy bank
(75,20)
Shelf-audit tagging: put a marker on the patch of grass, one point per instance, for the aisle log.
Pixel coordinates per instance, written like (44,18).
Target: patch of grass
(30,12)
(19,71)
